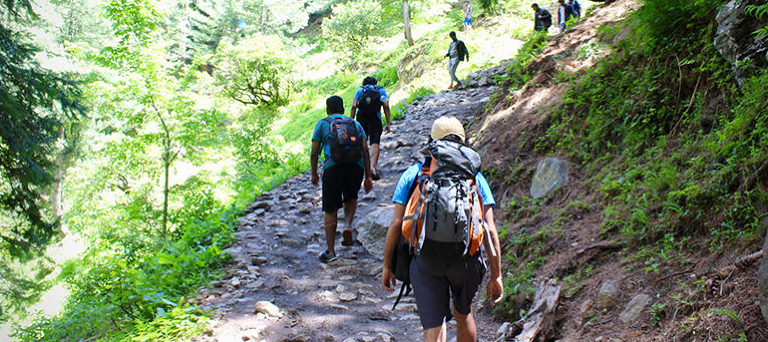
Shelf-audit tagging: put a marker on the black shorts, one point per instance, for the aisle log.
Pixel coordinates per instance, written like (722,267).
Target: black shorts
(341,182)
(372,127)
(436,282)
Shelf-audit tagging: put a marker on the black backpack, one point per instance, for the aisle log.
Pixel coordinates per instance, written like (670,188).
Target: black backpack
(344,140)
(369,102)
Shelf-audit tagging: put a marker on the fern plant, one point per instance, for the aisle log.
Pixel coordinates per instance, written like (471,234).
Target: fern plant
(759,12)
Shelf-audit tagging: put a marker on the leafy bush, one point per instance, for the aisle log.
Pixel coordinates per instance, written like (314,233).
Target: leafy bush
(255,71)
(352,26)
(386,76)
(111,291)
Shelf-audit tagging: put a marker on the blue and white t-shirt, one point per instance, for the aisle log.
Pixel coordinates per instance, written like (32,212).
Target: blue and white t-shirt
(382,92)
(409,176)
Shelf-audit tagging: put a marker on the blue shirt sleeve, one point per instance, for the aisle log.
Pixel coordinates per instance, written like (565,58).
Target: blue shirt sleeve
(404,184)
(317,135)
(357,93)
(383,93)
(485,190)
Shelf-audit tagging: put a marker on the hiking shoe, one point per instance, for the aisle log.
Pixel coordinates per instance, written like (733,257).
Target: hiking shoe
(327,257)
(347,238)
(450,87)
(375,175)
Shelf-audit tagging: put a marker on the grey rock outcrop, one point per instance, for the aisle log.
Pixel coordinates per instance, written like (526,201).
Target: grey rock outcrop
(372,231)
(735,39)
(635,308)
(485,77)
(551,173)
(606,298)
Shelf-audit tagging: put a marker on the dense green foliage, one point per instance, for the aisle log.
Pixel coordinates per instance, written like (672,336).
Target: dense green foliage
(34,105)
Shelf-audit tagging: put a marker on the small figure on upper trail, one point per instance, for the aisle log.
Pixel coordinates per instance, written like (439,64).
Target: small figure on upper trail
(443,213)
(576,8)
(367,103)
(564,13)
(346,161)
(542,19)
(467,16)
(457,52)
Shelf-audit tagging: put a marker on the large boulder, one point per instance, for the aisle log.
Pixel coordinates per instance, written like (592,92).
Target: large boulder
(551,173)
(372,231)
(735,40)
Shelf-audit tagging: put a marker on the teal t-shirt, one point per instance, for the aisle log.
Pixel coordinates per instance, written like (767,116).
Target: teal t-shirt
(322,129)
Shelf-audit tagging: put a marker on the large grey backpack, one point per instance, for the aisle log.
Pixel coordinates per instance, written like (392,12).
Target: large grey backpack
(444,214)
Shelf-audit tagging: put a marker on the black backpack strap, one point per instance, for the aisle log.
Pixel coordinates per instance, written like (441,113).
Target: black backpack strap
(403,288)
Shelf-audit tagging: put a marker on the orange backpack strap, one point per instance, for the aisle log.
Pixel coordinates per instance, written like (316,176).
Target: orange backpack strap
(413,218)
(481,223)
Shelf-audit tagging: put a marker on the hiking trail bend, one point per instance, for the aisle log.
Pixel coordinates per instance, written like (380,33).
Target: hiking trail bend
(275,264)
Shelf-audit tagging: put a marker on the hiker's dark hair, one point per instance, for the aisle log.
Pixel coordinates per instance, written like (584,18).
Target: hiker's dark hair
(535,5)
(335,104)
(452,34)
(454,138)
(370,80)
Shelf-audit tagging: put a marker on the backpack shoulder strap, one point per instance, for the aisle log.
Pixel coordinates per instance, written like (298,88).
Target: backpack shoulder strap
(403,288)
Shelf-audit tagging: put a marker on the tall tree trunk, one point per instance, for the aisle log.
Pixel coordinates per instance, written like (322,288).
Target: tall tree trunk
(57,195)
(261,18)
(167,161)
(407,21)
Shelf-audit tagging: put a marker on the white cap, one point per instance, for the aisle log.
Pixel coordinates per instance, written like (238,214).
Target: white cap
(447,125)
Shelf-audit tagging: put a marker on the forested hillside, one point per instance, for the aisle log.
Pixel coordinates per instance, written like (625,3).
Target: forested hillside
(136,136)
(136,132)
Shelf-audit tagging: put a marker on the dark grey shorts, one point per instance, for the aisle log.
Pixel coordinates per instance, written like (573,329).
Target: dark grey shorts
(436,282)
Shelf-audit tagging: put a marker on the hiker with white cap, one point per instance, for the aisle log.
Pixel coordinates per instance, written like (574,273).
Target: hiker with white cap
(443,214)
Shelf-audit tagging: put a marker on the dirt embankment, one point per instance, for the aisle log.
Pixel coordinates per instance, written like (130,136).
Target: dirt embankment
(693,302)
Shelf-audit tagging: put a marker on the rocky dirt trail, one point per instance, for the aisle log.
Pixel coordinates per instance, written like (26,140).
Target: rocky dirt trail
(276,289)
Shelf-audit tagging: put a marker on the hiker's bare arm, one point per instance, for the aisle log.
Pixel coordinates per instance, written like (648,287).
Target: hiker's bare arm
(353,110)
(495,286)
(313,161)
(368,182)
(385,104)
(393,234)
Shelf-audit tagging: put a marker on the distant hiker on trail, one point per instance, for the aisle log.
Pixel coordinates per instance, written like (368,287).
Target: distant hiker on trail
(564,13)
(457,52)
(346,161)
(467,16)
(542,19)
(366,108)
(443,213)
(576,8)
